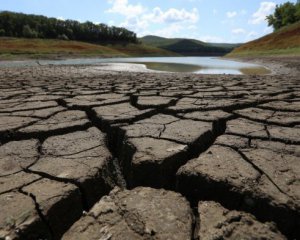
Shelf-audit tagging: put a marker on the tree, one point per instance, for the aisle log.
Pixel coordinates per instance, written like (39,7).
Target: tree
(28,32)
(63,37)
(33,26)
(298,10)
(285,14)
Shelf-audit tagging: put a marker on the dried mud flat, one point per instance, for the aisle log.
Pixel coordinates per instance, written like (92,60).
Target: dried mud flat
(89,154)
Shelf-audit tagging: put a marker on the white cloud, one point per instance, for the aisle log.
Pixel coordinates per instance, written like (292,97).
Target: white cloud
(156,15)
(169,31)
(192,27)
(209,38)
(172,15)
(172,30)
(135,23)
(138,18)
(238,31)
(265,9)
(231,14)
(61,18)
(124,8)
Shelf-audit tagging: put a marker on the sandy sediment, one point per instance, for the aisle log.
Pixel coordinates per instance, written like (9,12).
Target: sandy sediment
(123,67)
(89,152)
(278,65)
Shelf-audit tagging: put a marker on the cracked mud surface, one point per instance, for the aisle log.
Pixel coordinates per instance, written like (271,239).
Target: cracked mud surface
(142,213)
(88,154)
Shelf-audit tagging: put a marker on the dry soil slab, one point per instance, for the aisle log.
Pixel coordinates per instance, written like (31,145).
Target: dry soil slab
(142,213)
(217,222)
(240,174)
(69,135)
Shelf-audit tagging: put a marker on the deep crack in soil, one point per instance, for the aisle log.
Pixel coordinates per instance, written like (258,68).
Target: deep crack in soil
(89,154)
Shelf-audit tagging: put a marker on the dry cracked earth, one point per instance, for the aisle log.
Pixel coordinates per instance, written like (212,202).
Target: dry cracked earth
(88,154)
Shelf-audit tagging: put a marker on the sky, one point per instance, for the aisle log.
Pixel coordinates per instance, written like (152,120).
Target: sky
(229,21)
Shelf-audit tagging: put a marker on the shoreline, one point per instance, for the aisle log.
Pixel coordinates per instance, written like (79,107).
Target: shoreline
(286,65)
(276,65)
(124,67)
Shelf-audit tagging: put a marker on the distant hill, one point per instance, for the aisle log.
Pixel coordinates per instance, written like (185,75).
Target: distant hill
(19,48)
(188,47)
(285,41)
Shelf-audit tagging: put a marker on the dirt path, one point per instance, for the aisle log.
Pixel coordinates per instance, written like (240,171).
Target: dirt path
(85,154)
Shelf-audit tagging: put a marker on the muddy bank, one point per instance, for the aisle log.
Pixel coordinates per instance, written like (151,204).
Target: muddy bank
(289,65)
(104,154)
(269,66)
(197,65)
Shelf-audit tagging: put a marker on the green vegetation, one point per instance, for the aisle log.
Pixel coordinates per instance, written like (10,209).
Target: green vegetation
(32,36)
(158,41)
(284,15)
(21,48)
(188,47)
(285,41)
(33,26)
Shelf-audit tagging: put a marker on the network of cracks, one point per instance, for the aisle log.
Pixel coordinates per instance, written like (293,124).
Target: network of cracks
(89,154)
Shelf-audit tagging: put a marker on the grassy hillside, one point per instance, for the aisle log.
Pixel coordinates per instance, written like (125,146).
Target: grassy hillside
(17,48)
(158,41)
(225,45)
(190,47)
(285,41)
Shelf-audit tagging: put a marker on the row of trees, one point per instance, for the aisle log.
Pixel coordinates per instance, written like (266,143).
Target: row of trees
(284,15)
(33,26)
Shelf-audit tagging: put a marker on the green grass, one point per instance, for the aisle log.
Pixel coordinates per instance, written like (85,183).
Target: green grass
(158,41)
(22,48)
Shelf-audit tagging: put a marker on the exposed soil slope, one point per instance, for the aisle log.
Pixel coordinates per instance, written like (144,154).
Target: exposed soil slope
(285,41)
(33,48)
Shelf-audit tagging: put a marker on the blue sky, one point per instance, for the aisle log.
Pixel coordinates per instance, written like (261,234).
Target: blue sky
(207,20)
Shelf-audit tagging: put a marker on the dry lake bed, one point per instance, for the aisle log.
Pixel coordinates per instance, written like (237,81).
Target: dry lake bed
(88,153)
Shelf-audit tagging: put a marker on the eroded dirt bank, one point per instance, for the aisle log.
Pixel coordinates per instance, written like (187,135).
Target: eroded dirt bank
(90,154)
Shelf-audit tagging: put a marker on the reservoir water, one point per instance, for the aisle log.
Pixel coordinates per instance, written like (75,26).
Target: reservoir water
(201,65)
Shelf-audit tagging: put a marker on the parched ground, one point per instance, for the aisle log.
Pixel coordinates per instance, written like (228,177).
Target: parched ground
(90,154)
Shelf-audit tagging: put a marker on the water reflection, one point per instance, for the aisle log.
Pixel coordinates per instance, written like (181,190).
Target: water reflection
(201,65)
